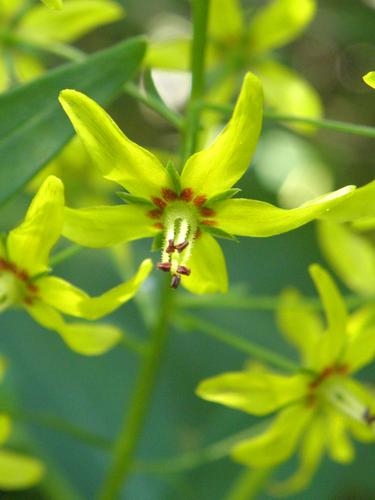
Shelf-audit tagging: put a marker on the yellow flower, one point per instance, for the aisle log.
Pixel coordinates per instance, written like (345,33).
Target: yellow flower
(25,281)
(370,79)
(185,212)
(317,408)
(24,30)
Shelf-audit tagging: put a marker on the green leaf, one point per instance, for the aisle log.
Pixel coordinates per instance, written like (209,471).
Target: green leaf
(150,86)
(131,198)
(175,176)
(33,126)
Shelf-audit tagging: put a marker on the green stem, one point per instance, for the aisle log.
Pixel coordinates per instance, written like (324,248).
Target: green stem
(258,302)
(193,459)
(133,423)
(156,105)
(337,126)
(237,342)
(198,52)
(64,254)
(248,484)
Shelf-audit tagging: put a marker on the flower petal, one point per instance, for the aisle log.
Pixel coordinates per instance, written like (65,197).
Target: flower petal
(278,442)
(300,324)
(107,226)
(118,158)
(4,80)
(335,337)
(360,205)
(71,300)
(370,79)
(278,23)
(218,167)
(18,472)
(8,8)
(76,19)
(208,268)
(312,449)
(54,4)
(253,392)
(350,254)
(169,54)
(256,218)
(225,20)
(286,92)
(339,445)
(89,339)
(30,243)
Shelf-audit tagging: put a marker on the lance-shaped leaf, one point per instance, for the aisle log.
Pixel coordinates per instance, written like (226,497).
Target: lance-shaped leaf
(32,112)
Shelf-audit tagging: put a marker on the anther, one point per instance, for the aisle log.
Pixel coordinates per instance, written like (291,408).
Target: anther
(184,270)
(176,280)
(170,248)
(181,246)
(164,266)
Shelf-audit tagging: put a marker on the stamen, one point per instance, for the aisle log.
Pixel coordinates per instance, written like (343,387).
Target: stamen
(176,280)
(184,270)
(171,247)
(164,266)
(181,246)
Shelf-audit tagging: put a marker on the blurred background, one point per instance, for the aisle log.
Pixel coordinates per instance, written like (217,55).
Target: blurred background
(45,378)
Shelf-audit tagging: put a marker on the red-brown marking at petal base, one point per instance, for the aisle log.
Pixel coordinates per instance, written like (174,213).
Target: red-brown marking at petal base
(184,270)
(208,222)
(168,194)
(2,264)
(327,372)
(28,300)
(186,194)
(32,288)
(158,202)
(176,280)
(207,212)
(22,275)
(158,225)
(200,200)
(155,214)
(164,266)
(198,234)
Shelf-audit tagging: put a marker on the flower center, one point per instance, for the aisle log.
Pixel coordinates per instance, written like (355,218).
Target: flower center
(180,218)
(15,286)
(331,386)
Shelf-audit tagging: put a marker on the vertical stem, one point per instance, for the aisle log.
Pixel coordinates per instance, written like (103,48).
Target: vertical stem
(133,423)
(198,53)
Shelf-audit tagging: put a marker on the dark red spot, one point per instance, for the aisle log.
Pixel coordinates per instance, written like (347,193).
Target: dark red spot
(176,280)
(159,225)
(168,194)
(32,288)
(28,301)
(198,234)
(22,275)
(164,266)
(155,214)
(207,212)
(327,372)
(181,246)
(159,202)
(170,248)
(186,194)
(3,264)
(200,200)
(184,270)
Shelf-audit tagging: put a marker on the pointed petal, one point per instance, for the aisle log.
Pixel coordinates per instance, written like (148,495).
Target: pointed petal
(350,254)
(286,92)
(18,471)
(278,442)
(89,339)
(256,218)
(278,23)
(311,453)
(370,79)
(5,428)
(339,445)
(30,243)
(360,205)
(208,268)
(76,19)
(218,167)
(225,20)
(335,337)
(300,324)
(253,392)
(71,300)
(360,349)
(107,226)
(118,158)
(169,54)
